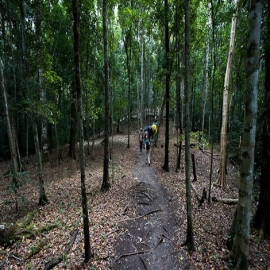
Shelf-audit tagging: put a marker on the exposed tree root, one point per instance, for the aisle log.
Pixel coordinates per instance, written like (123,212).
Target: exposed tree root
(138,252)
(148,213)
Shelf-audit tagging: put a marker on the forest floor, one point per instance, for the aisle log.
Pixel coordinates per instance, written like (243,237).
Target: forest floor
(140,223)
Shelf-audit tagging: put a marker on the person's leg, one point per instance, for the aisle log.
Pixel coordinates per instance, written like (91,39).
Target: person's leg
(148,156)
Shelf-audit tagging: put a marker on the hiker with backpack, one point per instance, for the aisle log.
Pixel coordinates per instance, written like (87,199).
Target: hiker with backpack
(141,139)
(147,149)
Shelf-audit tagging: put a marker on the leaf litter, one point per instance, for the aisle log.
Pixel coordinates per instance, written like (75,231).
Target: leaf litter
(109,211)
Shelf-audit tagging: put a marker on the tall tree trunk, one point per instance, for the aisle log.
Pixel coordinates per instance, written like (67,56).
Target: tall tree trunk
(106,183)
(262,216)
(25,72)
(204,88)
(179,125)
(76,31)
(44,133)
(73,124)
(142,103)
(211,118)
(42,195)
(11,139)
(223,133)
(167,86)
(189,240)
(127,43)
(241,248)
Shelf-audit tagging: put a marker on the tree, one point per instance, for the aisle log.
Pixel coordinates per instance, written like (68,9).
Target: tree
(76,30)
(189,240)
(223,133)
(106,183)
(240,247)
(167,86)
(127,43)
(73,126)
(43,200)
(11,139)
(262,216)
(204,87)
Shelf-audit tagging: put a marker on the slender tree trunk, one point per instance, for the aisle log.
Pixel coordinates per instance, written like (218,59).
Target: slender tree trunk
(223,134)
(204,89)
(76,31)
(179,114)
(25,72)
(241,248)
(127,43)
(189,240)
(59,152)
(93,141)
(106,183)
(44,133)
(142,103)
(12,146)
(73,125)
(262,216)
(42,195)
(211,118)
(167,86)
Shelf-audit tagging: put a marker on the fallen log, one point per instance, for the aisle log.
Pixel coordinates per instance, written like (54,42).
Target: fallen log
(225,200)
(53,262)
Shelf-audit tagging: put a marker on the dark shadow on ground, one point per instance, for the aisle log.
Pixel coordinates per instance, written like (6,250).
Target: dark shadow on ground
(148,239)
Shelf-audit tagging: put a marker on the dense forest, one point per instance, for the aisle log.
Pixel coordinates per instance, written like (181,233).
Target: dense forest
(72,72)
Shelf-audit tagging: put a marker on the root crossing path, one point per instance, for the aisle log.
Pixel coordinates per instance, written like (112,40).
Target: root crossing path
(148,239)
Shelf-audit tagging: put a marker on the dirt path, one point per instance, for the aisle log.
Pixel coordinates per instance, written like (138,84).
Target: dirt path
(148,240)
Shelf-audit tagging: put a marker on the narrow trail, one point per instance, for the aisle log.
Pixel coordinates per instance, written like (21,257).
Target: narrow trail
(148,239)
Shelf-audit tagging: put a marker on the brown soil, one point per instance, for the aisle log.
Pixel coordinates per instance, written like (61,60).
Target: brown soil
(143,213)
(148,239)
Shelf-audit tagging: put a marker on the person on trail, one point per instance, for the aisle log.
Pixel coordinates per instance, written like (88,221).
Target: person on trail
(141,139)
(146,133)
(147,148)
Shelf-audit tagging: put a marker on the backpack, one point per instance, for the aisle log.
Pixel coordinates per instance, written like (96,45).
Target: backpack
(147,142)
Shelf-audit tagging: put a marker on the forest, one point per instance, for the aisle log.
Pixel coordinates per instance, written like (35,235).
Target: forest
(79,78)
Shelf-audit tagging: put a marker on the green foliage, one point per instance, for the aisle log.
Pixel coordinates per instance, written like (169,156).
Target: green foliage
(198,139)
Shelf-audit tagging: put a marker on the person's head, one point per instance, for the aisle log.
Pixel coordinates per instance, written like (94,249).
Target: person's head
(140,129)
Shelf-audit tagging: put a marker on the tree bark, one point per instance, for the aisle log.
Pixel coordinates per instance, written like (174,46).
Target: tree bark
(127,43)
(12,146)
(76,31)
(194,167)
(106,183)
(73,124)
(240,250)
(167,86)
(44,133)
(142,103)
(204,89)
(42,195)
(190,239)
(223,134)
(262,217)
